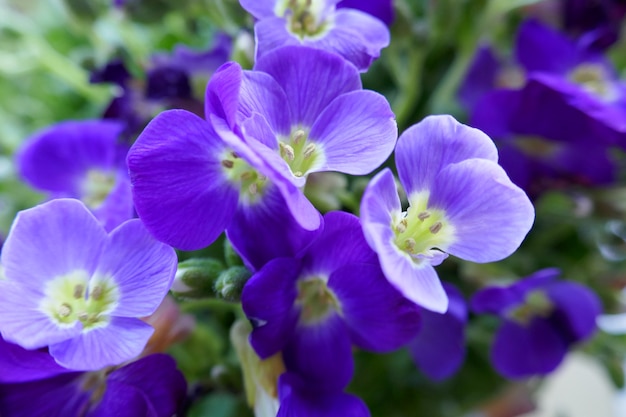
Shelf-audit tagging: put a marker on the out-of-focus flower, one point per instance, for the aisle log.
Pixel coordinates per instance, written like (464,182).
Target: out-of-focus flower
(541,320)
(83,160)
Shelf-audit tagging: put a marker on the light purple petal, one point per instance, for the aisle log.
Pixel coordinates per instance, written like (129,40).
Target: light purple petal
(180,189)
(259,8)
(424,149)
(260,93)
(577,308)
(357,132)
(58,158)
(19,365)
(372,30)
(272,33)
(24,323)
(520,352)
(268,301)
(311,79)
(299,399)
(267,230)
(418,282)
(51,240)
(142,267)
(222,93)
(490,215)
(341,243)
(439,347)
(378,317)
(321,353)
(120,340)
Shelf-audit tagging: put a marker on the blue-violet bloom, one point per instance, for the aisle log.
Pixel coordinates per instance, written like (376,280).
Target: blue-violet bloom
(461,202)
(541,319)
(71,286)
(83,160)
(355,35)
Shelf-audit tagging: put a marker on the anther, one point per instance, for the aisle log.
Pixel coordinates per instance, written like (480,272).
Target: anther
(435,228)
(79,291)
(308,150)
(96,293)
(83,316)
(64,310)
(253,188)
(246,176)
(234,154)
(410,244)
(261,177)
(402,226)
(298,173)
(227,163)
(287,152)
(423,215)
(298,135)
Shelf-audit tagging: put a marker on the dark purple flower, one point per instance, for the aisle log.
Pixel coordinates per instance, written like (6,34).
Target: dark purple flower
(541,319)
(83,160)
(461,202)
(71,286)
(314,307)
(596,22)
(148,387)
(438,350)
(355,35)
(300,399)
(382,9)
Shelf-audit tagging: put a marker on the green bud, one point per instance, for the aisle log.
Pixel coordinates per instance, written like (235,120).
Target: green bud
(230,283)
(230,256)
(196,277)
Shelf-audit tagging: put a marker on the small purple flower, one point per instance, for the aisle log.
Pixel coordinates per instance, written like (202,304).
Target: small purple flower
(460,202)
(83,160)
(71,286)
(542,318)
(354,34)
(438,350)
(381,9)
(148,387)
(315,306)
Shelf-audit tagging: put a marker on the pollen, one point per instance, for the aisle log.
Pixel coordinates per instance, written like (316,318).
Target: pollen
(308,150)
(423,215)
(97,292)
(227,163)
(435,228)
(287,152)
(79,291)
(298,135)
(64,310)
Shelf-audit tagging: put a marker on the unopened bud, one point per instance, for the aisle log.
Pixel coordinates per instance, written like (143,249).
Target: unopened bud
(230,283)
(196,277)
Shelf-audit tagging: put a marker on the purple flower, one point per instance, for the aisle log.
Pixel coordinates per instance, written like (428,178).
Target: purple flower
(300,399)
(438,350)
(315,306)
(460,202)
(542,318)
(71,286)
(83,160)
(355,35)
(382,9)
(150,387)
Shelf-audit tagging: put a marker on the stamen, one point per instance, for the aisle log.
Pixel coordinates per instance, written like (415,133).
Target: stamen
(246,176)
(261,177)
(410,244)
(308,150)
(83,316)
(96,293)
(64,310)
(298,173)
(234,154)
(253,188)
(287,152)
(227,163)
(298,135)
(423,215)
(435,228)
(79,291)
(401,227)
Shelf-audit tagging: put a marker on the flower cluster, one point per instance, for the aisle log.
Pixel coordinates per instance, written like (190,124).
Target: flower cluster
(82,278)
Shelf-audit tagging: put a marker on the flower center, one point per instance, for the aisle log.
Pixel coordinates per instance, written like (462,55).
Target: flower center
(96,187)
(422,232)
(75,298)
(305,18)
(537,147)
(593,79)
(536,304)
(251,182)
(300,154)
(316,300)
